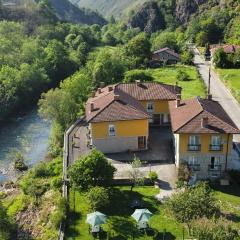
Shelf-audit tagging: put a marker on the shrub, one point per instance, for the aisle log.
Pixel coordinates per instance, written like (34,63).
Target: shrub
(182,76)
(91,170)
(19,163)
(98,197)
(187,58)
(60,213)
(184,173)
(153,176)
(206,229)
(133,75)
(194,203)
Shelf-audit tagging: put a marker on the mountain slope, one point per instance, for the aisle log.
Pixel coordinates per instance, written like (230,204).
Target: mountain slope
(108,8)
(65,10)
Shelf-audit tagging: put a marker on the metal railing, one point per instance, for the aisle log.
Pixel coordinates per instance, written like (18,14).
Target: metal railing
(194,147)
(216,147)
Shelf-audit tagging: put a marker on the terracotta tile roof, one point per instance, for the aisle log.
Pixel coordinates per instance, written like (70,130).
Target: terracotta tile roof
(106,107)
(114,105)
(150,91)
(168,50)
(188,117)
(229,49)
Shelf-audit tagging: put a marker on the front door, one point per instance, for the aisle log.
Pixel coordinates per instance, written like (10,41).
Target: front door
(141,143)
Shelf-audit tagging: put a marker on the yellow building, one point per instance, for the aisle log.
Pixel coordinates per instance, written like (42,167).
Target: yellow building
(203,134)
(119,115)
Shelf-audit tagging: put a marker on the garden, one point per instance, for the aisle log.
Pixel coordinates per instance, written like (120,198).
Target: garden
(204,211)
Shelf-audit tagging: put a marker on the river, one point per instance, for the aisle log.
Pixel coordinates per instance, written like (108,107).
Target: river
(28,134)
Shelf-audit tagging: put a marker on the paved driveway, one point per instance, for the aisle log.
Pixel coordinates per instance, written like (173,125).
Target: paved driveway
(218,90)
(160,148)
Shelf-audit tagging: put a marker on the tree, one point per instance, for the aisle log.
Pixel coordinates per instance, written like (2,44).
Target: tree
(135,175)
(165,39)
(131,76)
(92,170)
(194,203)
(187,58)
(19,163)
(153,176)
(206,229)
(98,197)
(220,58)
(138,51)
(202,38)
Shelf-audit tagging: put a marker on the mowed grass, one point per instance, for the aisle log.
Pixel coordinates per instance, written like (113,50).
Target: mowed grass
(120,225)
(231,78)
(168,75)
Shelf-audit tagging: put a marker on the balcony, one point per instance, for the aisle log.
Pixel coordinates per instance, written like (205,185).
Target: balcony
(194,167)
(214,168)
(216,148)
(194,147)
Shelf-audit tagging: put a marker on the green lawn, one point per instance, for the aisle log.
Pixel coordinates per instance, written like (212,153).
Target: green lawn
(120,225)
(231,78)
(229,201)
(168,74)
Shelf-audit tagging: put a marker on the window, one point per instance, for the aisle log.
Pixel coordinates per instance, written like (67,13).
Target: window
(150,107)
(194,143)
(112,130)
(215,163)
(216,143)
(193,160)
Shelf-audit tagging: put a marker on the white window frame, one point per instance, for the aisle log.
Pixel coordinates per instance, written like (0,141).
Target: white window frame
(194,141)
(150,110)
(193,160)
(111,130)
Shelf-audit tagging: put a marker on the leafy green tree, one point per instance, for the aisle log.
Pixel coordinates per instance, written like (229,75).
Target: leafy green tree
(187,57)
(220,58)
(165,39)
(182,76)
(98,197)
(194,203)
(58,106)
(138,51)
(107,67)
(202,38)
(19,163)
(153,176)
(92,170)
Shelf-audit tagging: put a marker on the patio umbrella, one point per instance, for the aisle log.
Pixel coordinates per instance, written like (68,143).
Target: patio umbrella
(96,218)
(142,215)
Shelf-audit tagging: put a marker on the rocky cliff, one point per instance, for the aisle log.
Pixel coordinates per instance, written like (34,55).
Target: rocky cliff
(148,18)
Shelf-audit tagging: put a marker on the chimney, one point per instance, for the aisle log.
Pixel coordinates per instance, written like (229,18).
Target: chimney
(91,106)
(99,90)
(138,82)
(209,97)
(204,122)
(102,84)
(178,100)
(116,97)
(110,88)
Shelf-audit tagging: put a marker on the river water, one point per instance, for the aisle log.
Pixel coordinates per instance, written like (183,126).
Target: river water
(28,134)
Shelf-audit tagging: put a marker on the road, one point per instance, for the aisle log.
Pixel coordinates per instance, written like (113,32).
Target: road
(218,90)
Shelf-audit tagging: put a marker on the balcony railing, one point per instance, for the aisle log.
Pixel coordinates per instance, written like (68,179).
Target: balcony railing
(196,147)
(194,167)
(214,168)
(216,147)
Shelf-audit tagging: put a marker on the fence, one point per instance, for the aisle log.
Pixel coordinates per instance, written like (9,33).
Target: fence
(65,187)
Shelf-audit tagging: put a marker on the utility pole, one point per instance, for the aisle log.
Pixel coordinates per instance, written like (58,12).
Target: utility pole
(209,81)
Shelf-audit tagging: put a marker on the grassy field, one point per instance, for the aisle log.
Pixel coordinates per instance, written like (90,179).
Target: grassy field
(231,78)
(229,201)
(120,225)
(193,87)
